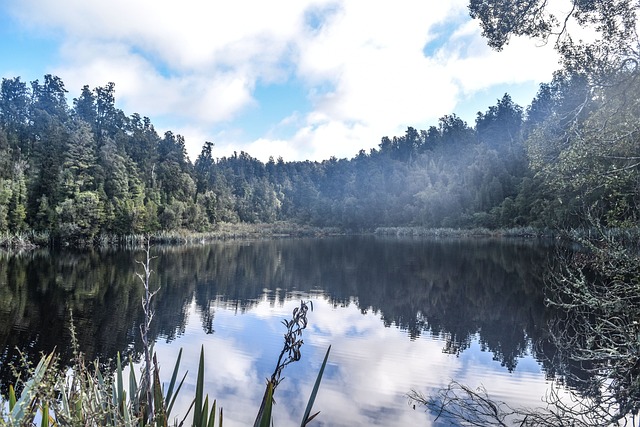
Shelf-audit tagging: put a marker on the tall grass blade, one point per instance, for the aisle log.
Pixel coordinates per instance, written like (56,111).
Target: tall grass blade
(45,416)
(170,397)
(161,414)
(174,376)
(120,386)
(175,395)
(133,385)
(212,416)
(12,397)
(101,395)
(306,418)
(197,414)
(205,413)
(263,419)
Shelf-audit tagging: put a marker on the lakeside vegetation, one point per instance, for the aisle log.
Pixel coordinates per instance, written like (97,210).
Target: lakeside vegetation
(224,231)
(589,152)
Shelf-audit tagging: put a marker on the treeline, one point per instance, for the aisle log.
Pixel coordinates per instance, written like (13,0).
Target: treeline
(84,169)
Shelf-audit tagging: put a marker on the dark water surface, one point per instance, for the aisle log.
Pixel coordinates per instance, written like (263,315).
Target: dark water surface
(400,314)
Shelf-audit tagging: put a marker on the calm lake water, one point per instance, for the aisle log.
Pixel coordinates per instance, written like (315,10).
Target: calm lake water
(400,314)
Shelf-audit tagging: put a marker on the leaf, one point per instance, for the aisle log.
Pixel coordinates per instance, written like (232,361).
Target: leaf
(120,386)
(263,419)
(212,416)
(175,395)
(170,398)
(306,418)
(45,416)
(197,414)
(205,413)
(160,415)
(12,397)
(20,410)
(133,384)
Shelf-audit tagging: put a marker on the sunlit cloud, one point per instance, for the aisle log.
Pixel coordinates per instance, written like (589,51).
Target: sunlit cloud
(366,70)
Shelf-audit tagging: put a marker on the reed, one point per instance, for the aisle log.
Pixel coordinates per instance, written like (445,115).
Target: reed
(528,232)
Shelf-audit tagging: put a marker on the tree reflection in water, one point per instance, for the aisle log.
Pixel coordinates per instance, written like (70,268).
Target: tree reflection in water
(452,289)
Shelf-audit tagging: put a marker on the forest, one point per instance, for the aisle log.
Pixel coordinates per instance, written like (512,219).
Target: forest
(87,170)
(75,171)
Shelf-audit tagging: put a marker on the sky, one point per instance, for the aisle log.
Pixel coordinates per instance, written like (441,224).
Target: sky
(297,79)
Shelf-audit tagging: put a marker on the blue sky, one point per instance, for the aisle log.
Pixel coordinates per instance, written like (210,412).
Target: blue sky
(301,79)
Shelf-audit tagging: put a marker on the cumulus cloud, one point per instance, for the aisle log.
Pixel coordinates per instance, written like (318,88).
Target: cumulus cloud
(196,65)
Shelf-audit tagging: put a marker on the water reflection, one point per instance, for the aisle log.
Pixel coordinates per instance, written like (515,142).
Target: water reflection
(370,370)
(450,303)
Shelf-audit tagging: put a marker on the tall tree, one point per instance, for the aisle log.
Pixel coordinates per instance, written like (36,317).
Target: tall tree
(142,147)
(50,96)
(80,159)
(85,107)
(500,125)
(109,119)
(203,166)
(14,105)
(17,212)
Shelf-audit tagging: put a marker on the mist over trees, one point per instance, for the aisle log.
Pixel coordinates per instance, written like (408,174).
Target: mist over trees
(84,168)
(581,139)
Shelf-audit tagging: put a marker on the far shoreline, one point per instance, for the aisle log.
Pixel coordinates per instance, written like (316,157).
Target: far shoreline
(250,231)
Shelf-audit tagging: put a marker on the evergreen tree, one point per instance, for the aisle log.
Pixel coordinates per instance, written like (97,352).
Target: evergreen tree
(17,212)
(85,107)
(14,106)
(50,97)
(204,164)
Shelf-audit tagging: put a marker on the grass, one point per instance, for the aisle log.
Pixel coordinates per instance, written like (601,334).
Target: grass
(527,232)
(23,240)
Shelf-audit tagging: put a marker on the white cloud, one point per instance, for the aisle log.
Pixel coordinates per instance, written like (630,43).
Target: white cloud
(474,66)
(195,65)
(371,56)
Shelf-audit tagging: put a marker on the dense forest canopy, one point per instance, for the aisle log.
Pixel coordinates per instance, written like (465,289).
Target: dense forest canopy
(87,169)
(82,169)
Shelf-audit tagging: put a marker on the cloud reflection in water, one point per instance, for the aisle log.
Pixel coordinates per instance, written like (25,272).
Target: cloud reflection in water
(371,367)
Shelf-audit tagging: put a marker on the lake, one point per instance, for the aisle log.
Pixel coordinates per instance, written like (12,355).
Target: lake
(401,314)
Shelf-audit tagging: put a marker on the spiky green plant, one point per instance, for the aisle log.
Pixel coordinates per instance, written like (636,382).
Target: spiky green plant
(22,410)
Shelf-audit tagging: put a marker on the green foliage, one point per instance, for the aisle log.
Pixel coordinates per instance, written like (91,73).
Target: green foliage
(22,410)
(80,217)
(614,22)
(591,163)
(307,416)
(91,171)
